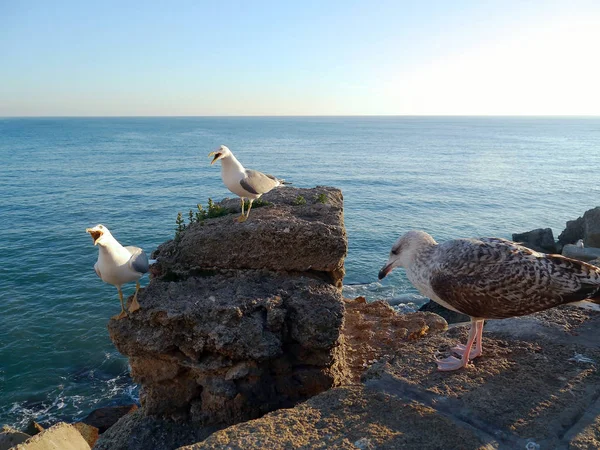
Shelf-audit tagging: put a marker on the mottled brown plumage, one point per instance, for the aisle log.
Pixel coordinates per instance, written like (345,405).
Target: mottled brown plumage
(491,278)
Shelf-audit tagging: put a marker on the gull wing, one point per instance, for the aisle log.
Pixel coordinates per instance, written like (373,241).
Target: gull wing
(97,269)
(139,260)
(259,183)
(496,278)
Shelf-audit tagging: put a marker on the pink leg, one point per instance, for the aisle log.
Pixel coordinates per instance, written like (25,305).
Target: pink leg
(478,350)
(452,363)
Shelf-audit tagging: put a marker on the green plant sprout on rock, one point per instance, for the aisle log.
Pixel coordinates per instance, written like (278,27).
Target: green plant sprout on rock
(300,201)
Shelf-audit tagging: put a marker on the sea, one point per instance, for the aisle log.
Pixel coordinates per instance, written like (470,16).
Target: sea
(450,176)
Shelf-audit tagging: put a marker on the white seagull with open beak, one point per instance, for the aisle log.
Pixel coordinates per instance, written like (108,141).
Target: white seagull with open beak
(118,265)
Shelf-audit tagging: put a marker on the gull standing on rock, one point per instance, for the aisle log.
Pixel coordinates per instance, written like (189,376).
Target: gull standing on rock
(490,278)
(245,183)
(118,265)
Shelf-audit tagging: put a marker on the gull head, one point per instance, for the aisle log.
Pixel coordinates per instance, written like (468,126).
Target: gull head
(220,153)
(405,249)
(100,234)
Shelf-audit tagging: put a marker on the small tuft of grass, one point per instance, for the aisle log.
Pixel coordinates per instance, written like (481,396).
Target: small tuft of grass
(180,225)
(300,201)
(199,216)
(321,198)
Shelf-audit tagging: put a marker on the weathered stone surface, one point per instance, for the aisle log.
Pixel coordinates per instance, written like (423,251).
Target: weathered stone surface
(347,418)
(448,314)
(586,228)
(104,418)
(88,432)
(540,240)
(232,345)
(537,384)
(279,237)
(374,330)
(137,431)
(536,380)
(9,437)
(61,436)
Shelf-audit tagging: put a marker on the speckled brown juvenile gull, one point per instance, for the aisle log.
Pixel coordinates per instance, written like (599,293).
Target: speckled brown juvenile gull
(489,278)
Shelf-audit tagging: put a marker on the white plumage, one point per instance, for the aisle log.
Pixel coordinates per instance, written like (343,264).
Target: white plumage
(118,265)
(245,183)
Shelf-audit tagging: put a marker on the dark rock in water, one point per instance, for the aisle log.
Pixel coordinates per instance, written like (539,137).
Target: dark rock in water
(9,437)
(586,228)
(137,431)
(448,314)
(586,254)
(540,240)
(280,237)
(104,418)
(33,428)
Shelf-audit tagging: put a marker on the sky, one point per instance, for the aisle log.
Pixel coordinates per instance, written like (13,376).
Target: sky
(198,58)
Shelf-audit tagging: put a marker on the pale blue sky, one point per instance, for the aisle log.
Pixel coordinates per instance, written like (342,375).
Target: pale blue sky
(299,58)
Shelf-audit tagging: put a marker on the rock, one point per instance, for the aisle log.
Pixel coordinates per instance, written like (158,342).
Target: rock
(586,228)
(233,345)
(536,384)
(33,428)
(137,431)
(448,314)
(374,330)
(283,237)
(104,418)
(242,318)
(540,240)
(88,432)
(581,253)
(61,436)
(9,437)
(347,417)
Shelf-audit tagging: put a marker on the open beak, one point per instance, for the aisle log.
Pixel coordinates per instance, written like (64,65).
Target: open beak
(94,233)
(384,271)
(216,156)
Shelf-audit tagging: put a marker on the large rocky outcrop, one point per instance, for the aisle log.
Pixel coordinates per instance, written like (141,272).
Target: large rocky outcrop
(242,318)
(586,228)
(536,386)
(540,240)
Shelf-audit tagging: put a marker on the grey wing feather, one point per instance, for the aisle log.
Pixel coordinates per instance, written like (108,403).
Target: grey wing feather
(498,279)
(139,259)
(259,183)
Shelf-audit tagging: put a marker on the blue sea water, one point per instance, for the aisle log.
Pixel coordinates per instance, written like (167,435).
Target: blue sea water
(451,176)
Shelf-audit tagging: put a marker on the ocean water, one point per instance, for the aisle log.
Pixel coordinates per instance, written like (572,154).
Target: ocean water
(453,177)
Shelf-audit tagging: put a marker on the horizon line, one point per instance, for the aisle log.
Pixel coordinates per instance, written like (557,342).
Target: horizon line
(294,116)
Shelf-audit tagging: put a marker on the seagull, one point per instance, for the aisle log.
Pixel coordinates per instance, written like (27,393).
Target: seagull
(490,278)
(579,243)
(245,183)
(118,265)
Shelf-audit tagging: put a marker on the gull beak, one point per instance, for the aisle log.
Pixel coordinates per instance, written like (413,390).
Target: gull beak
(385,270)
(216,156)
(95,234)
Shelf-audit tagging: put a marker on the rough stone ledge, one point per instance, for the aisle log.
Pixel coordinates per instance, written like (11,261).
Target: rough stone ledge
(283,236)
(537,384)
